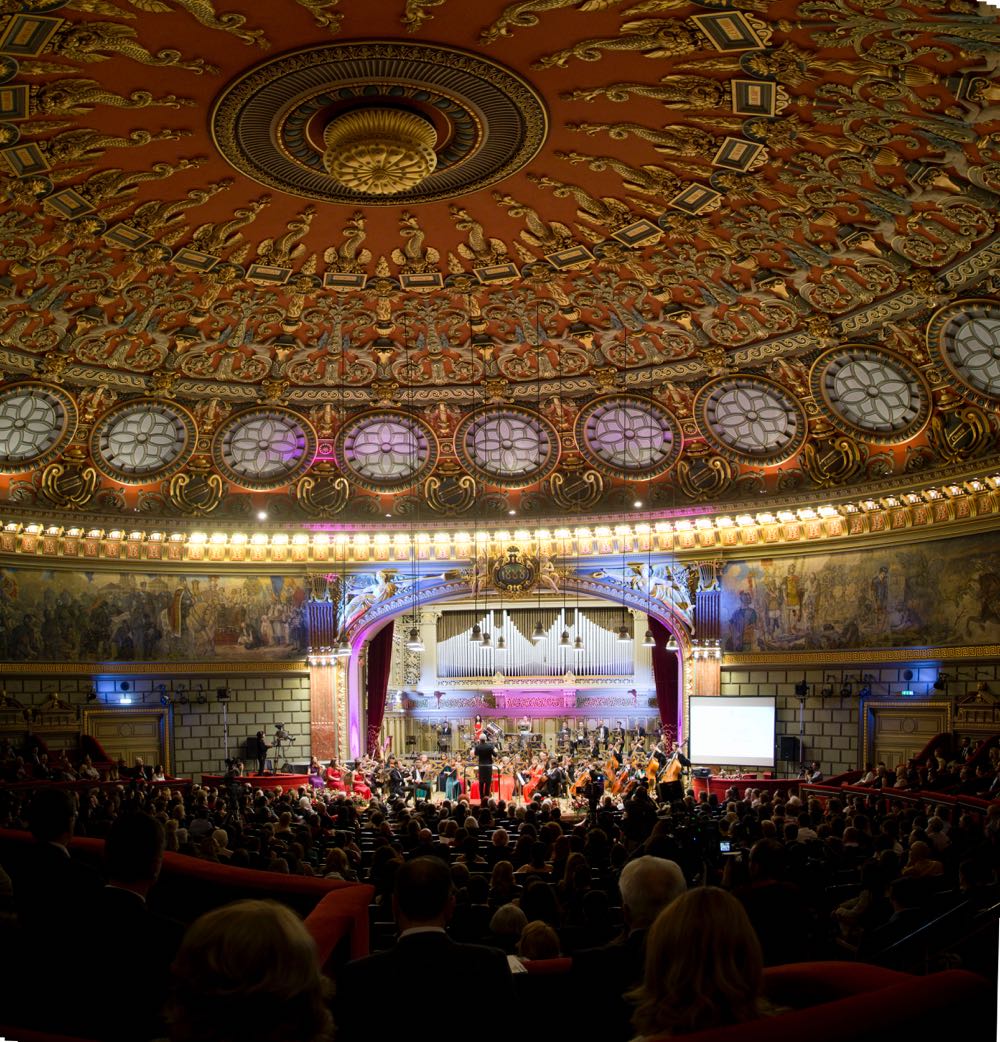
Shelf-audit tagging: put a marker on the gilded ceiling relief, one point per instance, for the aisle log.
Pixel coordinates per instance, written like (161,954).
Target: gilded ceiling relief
(769,224)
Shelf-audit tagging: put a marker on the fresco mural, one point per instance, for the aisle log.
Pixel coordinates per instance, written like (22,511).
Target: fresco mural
(52,616)
(945,592)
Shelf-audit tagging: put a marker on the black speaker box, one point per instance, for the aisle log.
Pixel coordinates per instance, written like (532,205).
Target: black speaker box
(788,748)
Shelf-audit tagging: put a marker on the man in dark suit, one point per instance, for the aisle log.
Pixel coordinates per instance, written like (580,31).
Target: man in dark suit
(647,884)
(52,893)
(484,754)
(422,904)
(120,915)
(261,748)
(50,887)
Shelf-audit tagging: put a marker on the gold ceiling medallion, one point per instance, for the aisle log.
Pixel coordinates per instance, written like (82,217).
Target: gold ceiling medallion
(411,122)
(833,462)
(322,494)
(380,151)
(70,485)
(195,491)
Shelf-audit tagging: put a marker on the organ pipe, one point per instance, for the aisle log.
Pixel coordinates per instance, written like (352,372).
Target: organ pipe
(604,655)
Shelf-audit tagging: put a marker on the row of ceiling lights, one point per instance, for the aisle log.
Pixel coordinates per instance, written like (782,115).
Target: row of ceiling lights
(319,539)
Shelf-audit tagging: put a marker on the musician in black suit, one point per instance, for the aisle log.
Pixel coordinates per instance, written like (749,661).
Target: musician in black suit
(422,904)
(484,751)
(397,783)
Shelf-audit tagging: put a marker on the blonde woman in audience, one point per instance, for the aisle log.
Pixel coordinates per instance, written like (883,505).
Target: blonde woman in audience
(704,967)
(248,972)
(538,941)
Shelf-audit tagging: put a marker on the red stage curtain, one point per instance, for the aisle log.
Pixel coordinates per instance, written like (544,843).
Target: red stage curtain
(664,676)
(379,658)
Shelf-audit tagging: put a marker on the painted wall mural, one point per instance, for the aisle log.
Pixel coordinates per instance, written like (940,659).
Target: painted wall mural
(51,616)
(945,592)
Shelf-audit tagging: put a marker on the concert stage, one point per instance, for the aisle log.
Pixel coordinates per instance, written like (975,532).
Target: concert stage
(261,781)
(720,786)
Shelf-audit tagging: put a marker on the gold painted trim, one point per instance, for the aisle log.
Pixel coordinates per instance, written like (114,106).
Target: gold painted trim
(163,712)
(868,710)
(291,666)
(966,505)
(823,656)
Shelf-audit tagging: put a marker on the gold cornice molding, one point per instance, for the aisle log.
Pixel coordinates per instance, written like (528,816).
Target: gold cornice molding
(154,669)
(861,656)
(960,507)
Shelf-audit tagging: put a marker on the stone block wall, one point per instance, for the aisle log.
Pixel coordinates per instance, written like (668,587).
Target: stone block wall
(255,703)
(831,725)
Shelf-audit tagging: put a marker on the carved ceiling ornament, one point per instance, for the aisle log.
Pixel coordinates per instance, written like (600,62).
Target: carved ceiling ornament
(769,196)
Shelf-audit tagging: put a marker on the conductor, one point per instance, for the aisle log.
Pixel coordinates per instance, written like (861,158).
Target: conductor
(262,748)
(484,754)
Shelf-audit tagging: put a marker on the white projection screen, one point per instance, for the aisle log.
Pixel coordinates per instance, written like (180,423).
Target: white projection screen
(732,731)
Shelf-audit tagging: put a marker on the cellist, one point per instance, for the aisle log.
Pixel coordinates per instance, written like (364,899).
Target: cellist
(671,788)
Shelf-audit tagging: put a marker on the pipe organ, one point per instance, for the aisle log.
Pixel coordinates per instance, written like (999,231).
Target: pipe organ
(603,654)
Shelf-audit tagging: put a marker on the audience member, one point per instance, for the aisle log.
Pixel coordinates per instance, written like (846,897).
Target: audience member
(248,972)
(423,904)
(704,968)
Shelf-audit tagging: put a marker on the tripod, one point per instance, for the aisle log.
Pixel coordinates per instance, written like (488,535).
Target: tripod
(282,737)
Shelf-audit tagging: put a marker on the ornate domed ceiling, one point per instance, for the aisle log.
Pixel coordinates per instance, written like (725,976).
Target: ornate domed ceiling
(344,261)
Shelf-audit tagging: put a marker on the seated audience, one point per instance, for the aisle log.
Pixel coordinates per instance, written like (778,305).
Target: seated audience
(647,885)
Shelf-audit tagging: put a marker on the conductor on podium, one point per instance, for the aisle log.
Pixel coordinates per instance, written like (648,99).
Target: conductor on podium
(484,754)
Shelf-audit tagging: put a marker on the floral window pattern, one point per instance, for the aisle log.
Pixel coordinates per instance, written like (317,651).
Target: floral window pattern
(751,419)
(386,451)
(264,449)
(142,440)
(509,447)
(975,353)
(628,437)
(35,422)
(872,393)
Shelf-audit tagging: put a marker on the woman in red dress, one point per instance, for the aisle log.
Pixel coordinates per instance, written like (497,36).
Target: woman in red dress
(361,787)
(477,728)
(334,779)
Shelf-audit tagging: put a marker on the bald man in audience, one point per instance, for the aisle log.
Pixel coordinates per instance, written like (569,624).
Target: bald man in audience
(647,885)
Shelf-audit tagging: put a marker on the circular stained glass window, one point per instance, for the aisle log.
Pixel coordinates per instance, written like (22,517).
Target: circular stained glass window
(508,447)
(750,419)
(871,393)
(142,440)
(386,451)
(628,437)
(36,421)
(264,448)
(966,335)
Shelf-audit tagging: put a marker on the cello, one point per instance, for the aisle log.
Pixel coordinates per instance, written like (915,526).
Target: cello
(537,774)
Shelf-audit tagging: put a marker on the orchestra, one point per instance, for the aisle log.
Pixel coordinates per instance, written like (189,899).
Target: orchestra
(584,767)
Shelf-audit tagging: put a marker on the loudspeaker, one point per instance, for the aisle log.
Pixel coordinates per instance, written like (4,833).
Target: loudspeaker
(788,748)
